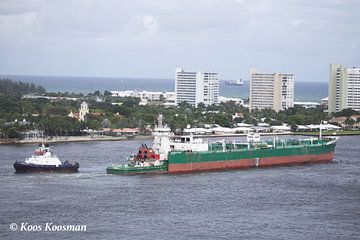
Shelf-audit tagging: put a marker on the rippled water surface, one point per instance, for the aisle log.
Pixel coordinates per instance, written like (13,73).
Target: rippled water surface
(314,201)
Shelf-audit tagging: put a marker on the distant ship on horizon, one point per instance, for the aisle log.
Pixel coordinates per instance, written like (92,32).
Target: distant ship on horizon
(239,82)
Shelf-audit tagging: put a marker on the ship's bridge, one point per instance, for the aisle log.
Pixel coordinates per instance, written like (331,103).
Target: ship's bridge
(187,143)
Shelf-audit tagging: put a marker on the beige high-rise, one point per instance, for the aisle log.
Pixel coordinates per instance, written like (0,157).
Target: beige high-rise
(344,88)
(271,90)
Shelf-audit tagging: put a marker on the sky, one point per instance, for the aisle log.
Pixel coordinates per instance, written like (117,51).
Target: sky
(149,38)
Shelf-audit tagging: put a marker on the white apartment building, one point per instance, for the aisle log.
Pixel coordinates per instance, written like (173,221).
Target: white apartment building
(344,88)
(151,96)
(196,87)
(271,90)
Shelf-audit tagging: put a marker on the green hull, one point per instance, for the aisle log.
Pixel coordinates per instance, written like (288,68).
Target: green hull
(229,156)
(121,169)
(235,154)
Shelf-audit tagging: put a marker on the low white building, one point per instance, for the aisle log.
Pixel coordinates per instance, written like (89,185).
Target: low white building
(307,104)
(147,96)
(29,96)
(260,129)
(302,128)
(223,130)
(238,101)
(282,128)
(243,129)
(325,102)
(329,127)
(197,131)
(242,125)
(33,134)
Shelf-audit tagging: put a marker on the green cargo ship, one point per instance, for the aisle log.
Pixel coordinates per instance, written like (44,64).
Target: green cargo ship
(174,154)
(247,155)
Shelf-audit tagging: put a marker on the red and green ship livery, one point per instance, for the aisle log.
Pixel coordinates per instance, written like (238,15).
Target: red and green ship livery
(254,155)
(176,154)
(145,161)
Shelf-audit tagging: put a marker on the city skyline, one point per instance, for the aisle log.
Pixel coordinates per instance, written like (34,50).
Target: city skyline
(149,38)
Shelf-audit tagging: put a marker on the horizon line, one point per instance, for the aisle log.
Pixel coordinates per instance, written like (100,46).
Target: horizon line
(112,77)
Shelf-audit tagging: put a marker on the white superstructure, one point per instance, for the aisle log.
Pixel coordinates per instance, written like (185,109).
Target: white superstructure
(196,87)
(188,143)
(165,141)
(43,156)
(162,135)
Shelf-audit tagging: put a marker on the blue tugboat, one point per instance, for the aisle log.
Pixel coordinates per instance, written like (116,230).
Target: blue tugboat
(44,161)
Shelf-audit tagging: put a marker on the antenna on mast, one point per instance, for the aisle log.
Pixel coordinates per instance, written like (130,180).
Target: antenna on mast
(320,133)
(160,120)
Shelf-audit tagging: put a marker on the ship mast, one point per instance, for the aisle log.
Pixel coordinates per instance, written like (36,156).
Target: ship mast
(160,120)
(161,135)
(320,133)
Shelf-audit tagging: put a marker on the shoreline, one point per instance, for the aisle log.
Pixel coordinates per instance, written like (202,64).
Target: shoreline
(332,133)
(143,137)
(73,139)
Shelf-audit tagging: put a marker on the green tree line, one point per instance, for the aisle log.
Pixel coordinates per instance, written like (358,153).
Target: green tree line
(52,116)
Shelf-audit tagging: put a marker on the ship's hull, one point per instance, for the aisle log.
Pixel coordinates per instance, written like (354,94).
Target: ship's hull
(137,170)
(188,161)
(236,159)
(22,167)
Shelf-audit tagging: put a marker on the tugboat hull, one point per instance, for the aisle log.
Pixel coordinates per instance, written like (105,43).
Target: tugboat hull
(129,170)
(22,167)
(137,170)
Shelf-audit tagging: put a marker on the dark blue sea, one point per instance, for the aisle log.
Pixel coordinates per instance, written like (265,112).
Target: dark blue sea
(313,201)
(304,91)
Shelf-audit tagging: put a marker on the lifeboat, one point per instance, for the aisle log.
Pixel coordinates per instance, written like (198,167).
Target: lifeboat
(146,153)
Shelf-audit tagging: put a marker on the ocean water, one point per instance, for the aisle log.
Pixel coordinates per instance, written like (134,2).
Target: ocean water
(304,91)
(312,201)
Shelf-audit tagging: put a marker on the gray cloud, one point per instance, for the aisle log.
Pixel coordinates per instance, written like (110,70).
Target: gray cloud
(149,38)
(10,7)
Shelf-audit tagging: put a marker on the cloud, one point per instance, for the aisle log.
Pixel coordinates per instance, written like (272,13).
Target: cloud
(229,36)
(29,18)
(150,23)
(297,22)
(10,7)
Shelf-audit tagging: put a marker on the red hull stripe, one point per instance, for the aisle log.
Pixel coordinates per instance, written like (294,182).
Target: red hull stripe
(250,162)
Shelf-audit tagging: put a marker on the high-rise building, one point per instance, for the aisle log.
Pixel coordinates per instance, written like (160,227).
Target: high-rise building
(271,90)
(344,88)
(196,87)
